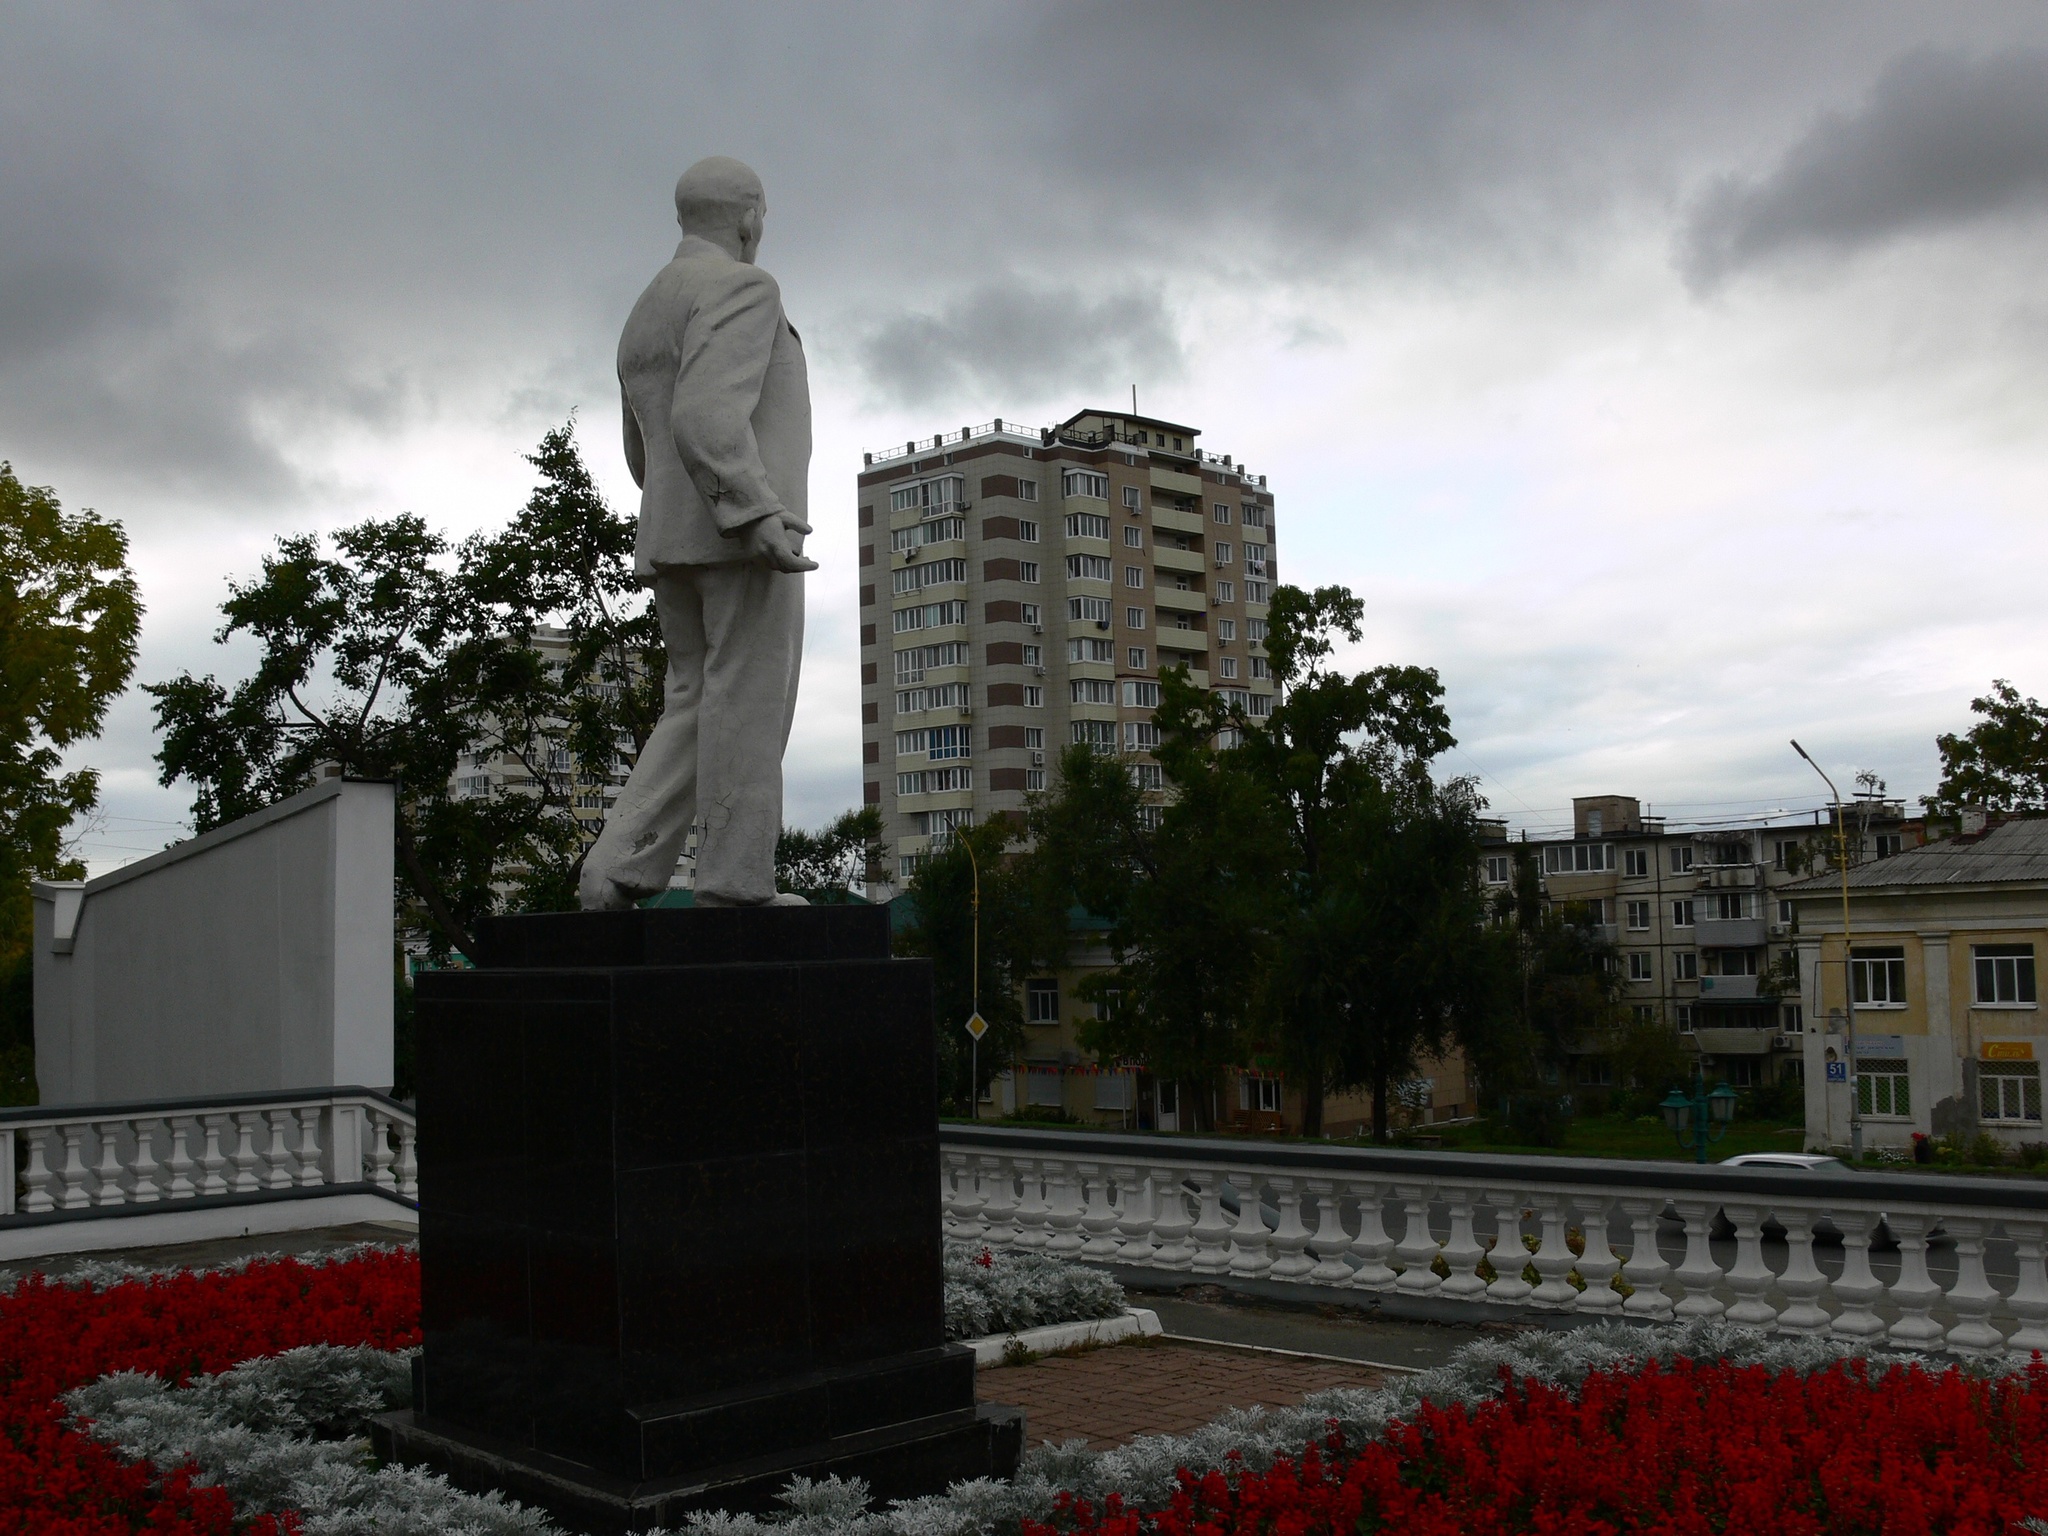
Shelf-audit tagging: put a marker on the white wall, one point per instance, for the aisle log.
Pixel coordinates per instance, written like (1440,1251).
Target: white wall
(258,956)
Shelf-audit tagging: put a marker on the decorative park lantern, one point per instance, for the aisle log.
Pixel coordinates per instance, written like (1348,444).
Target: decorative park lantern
(1699,1118)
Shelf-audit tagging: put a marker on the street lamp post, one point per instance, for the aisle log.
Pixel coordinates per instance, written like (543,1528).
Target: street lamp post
(974,1013)
(1699,1118)
(1848,971)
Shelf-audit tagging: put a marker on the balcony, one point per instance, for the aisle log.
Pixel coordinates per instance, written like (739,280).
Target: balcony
(1728,989)
(1176,483)
(1729,933)
(1171,639)
(1175,600)
(1726,877)
(1188,561)
(1175,521)
(1735,1042)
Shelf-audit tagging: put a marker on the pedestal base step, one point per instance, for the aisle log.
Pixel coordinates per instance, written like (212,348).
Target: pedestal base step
(899,1461)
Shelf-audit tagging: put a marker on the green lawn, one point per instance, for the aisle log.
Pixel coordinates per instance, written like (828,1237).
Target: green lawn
(1613,1136)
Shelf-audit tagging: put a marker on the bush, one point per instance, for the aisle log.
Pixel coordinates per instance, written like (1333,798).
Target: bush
(989,1292)
(1986,1151)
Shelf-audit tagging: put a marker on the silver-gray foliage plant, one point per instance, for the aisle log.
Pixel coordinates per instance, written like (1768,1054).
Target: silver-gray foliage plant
(1013,1291)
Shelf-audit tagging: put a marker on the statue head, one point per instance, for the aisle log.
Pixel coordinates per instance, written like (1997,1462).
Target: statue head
(720,199)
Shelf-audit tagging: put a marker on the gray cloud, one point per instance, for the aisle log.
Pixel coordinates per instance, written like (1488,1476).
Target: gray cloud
(1941,141)
(1009,341)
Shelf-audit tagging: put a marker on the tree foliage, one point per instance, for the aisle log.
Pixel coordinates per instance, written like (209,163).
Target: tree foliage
(69,618)
(2001,762)
(822,866)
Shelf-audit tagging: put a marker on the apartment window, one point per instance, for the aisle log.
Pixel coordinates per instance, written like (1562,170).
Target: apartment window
(1498,867)
(1226,666)
(1685,965)
(2009,1091)
(1255,591)
(1084,482)
(1134,618)
(1098,734)
(1042,1001)
(1255,557)
(1889,843)
(1141,736)
(1686,1014)
(1092,690)
(929,616)
(1877,977)
(1034,778)
(907,864)
(1681,914)
(1226,631)
(1262,705)
(1034,736)
(1596,910)
(1222,512)
(1089,609)
(1034,656)
(1254,517)
(1134,536)
(1134,576)
(932,497)
(938,531)
(1262,667)
(1091,650)
(912,662)
(1222,553)
(938,742)
(934,781)
(915,701)
(1258,1095)
(1131,497)
(1578,858)
(1785,913)
(1027,570)
(1027,490)
(1638,916)
(1781,849)
(1088,568)
(1224,592)
(1139,695)
(1731,962)
(1644,1013)
(1255,630)
(1136,654)
(2005,974)
(1148,776)
(1635,863)
(1639,964)
(933,573)
(1027,532)
(1884,1087)
(1028,612)
(1792,1019)
(1681,858)
(1034,696)
(1087,525)
(1730,905)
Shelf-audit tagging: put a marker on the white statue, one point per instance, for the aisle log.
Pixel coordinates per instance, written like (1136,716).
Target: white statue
(718,435)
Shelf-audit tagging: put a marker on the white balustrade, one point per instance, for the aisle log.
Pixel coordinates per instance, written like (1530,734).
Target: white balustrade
(114,1158)
(1318,1217)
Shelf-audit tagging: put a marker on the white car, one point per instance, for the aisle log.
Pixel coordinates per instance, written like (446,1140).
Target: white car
(1802,1162)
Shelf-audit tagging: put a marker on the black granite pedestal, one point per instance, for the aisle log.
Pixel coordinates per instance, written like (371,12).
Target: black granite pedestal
(679,1218)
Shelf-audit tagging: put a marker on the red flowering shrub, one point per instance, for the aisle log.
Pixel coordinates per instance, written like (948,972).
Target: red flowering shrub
(57,1482)
(1693,1449)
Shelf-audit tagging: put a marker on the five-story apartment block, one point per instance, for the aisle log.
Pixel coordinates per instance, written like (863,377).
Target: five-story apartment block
(1022,589)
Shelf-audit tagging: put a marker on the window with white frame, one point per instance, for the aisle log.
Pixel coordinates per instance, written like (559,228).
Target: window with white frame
(2004,975)
(1226,666)
(918,535)
(1028,612)
(1255,558)
(1685,965)
(936,743)
(1134,576)
(1131,498)
(1226,631)
(1255,591)
(1222,552)
(1140,695)
(1042,1000)
(1141,736)
(933,573)
(1499,868)
(1640,965)
(912,662)
(1681,858)
(1261,667)
(2009,1091)
(1088,648)
(1084,482)
(1877,977)
(1222,512)
(1785,913)
(1225,592)
(1087,525)
(1134,618)
(1254,517)
(929,616)
(1686,1015)
(1088,568)
(1034,696)
(1681,913)
(1027,490)
(1255,630)
(1258,1095)
(1136,656)
(934,498)
(1730,905)
(1148,776)
(934,781)
(1791,1019)
(1034,736)
(1884,1087)
(1027,570)
(1092,690)
(1644,1013)
(1635,863)
(1027,532)
(1261,705)
(1638,914)
(1099,735)
(1034,656)
(1134,536)
(1089,609)
(1034,778)
(1578,858)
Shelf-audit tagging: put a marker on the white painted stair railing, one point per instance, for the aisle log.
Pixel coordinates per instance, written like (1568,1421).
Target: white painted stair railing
(1319,1216)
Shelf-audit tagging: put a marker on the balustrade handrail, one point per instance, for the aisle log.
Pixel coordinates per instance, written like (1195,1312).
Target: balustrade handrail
(29,1115)
(1874,1191)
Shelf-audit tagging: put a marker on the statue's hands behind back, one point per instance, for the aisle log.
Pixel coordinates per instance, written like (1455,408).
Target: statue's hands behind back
(773,541)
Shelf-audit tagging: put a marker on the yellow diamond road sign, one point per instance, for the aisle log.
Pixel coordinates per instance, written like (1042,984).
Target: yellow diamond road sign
(977,1026)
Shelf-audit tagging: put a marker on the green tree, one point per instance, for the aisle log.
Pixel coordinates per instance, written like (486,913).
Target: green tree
(69,618)
(823,865)
(2001,762)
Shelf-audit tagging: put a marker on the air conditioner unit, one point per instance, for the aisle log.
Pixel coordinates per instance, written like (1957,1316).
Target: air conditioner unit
(966,709)
(1102,623)
(1778,930)
(1220,564)
(964,506)
(1038,629)
(1038,759)
(1038,671)
(1215,602)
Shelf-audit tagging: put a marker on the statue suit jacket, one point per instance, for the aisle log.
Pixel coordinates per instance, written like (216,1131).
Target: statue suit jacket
(717,405)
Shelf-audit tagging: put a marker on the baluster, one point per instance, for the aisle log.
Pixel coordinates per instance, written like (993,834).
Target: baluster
(957,1196)
(1173,1226)
(1972,1295)
(109,1170)
(1031,1208)
(38,1176)
(180,1165)
(1698,1274)
(408,1166)
(310,1175)
(142,1169)
(212,1162)
(1249,1254)
(1417,1249)
(1646,1269)
(1063,1201)
(1098,1216)
(1135,1222)
(1508,1255)
(1553,1257)
(380,1151)
(1859,1287)
(74,1172)
(278,1156)
(1372,1247)
(1461,1249)
(244,1156)
(2029,1299)
(1211,1233)
(1331,1239)
(10,1153)
(1750,1277)
(1598,1265)
(999,1203)
(1803,1280)
(1290,1237)
(1914,1293)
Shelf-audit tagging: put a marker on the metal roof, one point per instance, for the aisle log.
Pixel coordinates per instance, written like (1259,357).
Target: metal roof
(2014,853)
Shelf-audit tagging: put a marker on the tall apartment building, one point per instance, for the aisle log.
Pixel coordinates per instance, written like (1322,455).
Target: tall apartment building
(1700,916)
(1021,590)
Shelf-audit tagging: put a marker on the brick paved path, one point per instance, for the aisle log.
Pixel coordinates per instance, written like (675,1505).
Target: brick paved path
(1111,1395)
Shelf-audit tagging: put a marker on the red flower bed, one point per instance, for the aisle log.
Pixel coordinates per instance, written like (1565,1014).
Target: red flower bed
(1693,1449)
(57,1482)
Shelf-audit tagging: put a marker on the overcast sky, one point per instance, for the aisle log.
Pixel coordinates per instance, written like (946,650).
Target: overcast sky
(1671,378)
